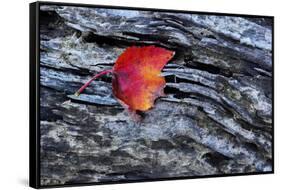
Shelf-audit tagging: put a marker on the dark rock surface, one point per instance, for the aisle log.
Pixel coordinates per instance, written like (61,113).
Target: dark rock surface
(215,119)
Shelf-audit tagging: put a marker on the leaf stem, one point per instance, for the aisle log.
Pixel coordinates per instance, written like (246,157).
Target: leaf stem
(78,92)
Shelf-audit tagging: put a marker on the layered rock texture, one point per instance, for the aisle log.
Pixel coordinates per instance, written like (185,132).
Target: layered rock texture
(215,119)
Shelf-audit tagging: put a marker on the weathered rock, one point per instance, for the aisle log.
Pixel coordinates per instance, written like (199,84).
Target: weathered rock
(216,117)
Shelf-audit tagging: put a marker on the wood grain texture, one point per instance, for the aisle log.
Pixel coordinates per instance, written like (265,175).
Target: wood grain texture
(216,117)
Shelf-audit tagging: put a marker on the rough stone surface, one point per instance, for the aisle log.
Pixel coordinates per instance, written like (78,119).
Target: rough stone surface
(216,117)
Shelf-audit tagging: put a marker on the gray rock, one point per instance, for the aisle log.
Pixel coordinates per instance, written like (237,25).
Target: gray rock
(216,117)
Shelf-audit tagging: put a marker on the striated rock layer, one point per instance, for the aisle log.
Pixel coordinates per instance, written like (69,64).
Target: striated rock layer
(216,117)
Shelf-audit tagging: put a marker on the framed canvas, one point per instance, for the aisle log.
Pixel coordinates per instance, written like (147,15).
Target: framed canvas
(122,94)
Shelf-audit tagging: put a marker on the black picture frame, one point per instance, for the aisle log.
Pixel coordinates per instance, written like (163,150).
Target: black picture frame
(34,92)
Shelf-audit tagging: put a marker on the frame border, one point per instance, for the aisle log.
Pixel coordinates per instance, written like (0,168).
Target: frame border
(34,96)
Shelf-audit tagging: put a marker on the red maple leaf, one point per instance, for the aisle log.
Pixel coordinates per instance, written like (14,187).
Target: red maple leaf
(137,79)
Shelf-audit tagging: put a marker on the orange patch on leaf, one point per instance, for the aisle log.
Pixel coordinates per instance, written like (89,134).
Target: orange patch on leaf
(137,79)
